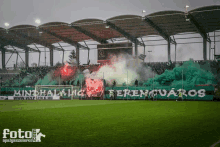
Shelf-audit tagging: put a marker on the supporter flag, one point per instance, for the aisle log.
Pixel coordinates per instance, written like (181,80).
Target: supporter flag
(142,56)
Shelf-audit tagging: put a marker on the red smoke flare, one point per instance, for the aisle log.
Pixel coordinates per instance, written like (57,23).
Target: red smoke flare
(66,72)
(94,87)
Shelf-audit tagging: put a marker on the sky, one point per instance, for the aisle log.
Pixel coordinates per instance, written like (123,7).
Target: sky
(18,12)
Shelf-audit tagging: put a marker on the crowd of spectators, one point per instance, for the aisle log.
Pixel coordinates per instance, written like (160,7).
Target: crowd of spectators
(40,72)
(15,80)
(160,67)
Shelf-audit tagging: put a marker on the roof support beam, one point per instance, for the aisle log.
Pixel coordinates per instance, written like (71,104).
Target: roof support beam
(168,50)
(198,27)
(159,30)
(121,31)
(10,51)
(88,61)
(63,53)
(3,57)
(77,55)
(13,43)
(35,40)
(51,57)
(209,50)
(39,59)
(136,49)
(65,39)
(16,61)
(27,58)
(36,46)
(87,33)
(9,59)
(144,44)
(201,32)
(17,57)
(204,48)
(175,47)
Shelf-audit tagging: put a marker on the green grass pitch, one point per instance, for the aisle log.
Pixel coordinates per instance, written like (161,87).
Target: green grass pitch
(120,123)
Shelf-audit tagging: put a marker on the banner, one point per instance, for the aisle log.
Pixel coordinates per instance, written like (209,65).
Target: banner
(3,97)
(198,92)
(33,98)
(189,93)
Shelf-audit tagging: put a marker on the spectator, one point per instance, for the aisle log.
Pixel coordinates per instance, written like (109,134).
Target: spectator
(114,84)
(151,96)
(115,94)
(180,95)
(146,95)
(136,82)
(111,95)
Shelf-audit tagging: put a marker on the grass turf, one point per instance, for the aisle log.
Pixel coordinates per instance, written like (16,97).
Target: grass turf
(114,123)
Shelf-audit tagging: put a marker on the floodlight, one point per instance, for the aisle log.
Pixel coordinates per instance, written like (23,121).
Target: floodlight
(6,24)
(143,11)
(37,21)
(186,8)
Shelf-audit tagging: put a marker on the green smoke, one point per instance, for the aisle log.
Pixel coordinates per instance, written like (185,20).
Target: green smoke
(28,79)
(53,82)
(188,73)
(47,80)
(7,82)
(80,77)
(16,82)
(21,81)
(38,82)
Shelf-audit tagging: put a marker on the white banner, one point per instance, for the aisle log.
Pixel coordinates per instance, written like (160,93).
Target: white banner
(33,98)
(3,97)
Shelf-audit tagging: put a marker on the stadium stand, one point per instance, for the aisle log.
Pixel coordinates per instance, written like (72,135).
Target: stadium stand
(36,73)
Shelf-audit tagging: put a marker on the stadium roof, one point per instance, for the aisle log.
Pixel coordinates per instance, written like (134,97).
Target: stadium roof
(163,23)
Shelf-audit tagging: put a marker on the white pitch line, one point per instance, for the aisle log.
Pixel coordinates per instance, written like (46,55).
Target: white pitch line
(20,108)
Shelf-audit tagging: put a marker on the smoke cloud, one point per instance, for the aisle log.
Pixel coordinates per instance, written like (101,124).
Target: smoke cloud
(190,73)
(124,69)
